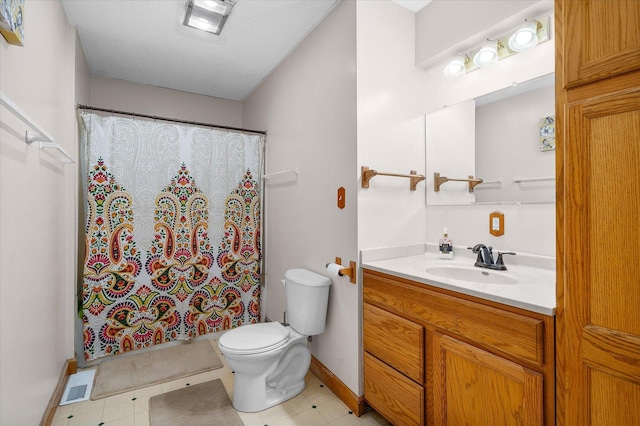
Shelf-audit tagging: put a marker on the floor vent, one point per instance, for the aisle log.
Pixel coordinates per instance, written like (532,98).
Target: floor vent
(78,387)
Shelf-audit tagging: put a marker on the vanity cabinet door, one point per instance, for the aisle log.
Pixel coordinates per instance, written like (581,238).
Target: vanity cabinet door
(475,387)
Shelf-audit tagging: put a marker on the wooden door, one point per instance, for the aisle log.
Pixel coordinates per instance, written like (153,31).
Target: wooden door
(601,39)
(598,206)
(599,315)
(477,388)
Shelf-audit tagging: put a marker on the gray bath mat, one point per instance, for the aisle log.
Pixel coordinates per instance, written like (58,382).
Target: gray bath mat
(125,373)
(204,404)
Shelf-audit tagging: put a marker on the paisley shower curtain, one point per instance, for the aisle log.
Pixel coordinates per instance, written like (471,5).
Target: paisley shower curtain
(172,228)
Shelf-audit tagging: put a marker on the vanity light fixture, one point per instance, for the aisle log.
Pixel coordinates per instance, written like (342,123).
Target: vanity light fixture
(487,55)
(528,35)
(525,37)
(208,15)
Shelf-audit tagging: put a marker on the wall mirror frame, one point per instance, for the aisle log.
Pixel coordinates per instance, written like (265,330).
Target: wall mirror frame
(506,138)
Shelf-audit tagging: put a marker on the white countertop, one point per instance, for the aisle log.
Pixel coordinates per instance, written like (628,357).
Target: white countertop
(535,290)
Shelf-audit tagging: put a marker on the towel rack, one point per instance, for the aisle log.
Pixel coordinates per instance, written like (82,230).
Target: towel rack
(367,175)
(45,140)
(283,172)
(439,180)
(535,179)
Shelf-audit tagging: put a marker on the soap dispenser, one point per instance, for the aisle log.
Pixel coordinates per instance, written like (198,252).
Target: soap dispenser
(445,245)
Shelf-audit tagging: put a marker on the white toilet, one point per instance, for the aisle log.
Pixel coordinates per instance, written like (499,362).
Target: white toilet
(270,360)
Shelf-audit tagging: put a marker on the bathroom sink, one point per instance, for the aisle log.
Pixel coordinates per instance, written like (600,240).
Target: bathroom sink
(475,275)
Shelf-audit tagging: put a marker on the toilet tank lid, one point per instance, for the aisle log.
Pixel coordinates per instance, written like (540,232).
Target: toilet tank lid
(307,278)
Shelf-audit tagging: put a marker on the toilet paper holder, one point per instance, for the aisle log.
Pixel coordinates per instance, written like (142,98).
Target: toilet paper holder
(342,271)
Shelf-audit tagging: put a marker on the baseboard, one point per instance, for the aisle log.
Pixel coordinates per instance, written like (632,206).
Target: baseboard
(350,399)
(70,367)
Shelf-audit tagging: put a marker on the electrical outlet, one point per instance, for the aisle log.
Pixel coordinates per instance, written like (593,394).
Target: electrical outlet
(496,224)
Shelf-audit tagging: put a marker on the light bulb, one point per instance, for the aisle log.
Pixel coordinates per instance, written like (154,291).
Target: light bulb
(487,55)
(456,67)
(525,37)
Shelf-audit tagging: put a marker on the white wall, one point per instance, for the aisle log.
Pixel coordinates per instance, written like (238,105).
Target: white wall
(308,106)
(151,100)
(37,215)
(391,106)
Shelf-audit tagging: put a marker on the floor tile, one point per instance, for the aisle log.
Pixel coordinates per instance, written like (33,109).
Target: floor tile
(126,421)
(118,411)
(318,395)
(87,406)
(346,420)
(332,410)
(310,417)
(148,391)
(273,414)
(118,399)
(288,421)
(251,419)
(84,419)
(297,405)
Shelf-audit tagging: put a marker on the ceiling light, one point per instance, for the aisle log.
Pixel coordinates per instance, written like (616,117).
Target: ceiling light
(207,15)
(457,67)
(487,55)
(525,37)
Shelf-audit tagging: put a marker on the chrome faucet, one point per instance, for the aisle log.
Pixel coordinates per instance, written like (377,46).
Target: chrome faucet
(485,257)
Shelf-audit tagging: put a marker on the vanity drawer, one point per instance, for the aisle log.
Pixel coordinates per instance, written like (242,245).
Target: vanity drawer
(512,334)
(391,394)
(395,340)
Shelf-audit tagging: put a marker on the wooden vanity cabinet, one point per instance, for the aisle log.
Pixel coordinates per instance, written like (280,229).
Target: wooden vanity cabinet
(436,357)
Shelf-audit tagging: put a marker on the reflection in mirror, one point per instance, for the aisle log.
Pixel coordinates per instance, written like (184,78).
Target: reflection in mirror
(505,138)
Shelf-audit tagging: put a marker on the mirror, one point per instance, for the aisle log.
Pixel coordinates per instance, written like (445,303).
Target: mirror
(506,138)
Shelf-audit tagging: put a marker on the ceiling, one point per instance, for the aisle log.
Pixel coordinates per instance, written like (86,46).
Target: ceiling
(144,41)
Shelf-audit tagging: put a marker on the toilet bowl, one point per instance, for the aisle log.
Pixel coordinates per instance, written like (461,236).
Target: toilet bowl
(270,361)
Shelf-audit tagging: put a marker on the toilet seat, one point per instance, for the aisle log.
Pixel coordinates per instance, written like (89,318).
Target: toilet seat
(254,338)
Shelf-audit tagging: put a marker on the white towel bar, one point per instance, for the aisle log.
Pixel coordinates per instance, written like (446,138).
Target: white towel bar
(30,138)
(45,139)
(537,179)
(283,172)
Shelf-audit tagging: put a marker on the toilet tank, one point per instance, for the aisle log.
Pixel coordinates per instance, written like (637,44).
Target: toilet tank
(307,300)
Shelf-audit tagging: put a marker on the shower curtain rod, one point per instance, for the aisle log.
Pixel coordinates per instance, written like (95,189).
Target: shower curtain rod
(173,120)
